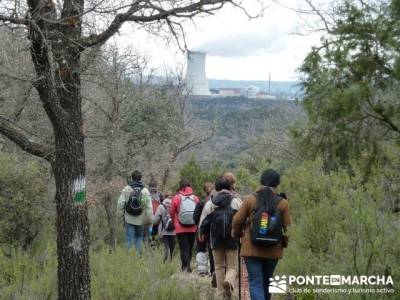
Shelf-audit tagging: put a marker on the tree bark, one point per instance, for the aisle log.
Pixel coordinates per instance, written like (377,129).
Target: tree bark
(69,172)
(69,165)
(72,219)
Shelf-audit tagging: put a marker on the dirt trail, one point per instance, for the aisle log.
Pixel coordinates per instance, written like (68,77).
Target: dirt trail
(209,293)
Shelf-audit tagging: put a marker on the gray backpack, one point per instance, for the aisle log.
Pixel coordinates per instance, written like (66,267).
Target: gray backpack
(186,210)
(166,220)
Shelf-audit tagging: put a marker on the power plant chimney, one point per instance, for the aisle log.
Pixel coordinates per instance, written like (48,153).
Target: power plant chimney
(196,81)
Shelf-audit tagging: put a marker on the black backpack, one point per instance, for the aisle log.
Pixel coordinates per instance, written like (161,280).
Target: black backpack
(267,223)
(221,222)
(134,206)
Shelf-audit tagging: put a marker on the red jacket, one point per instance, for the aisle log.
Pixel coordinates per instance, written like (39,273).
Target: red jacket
(174,210)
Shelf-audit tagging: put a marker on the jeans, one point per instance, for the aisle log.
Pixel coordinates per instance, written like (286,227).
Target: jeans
(260,270)
(169,246)
(186,242)
(134,235)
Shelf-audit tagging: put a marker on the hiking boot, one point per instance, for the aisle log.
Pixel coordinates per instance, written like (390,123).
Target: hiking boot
(214,280)
(228,289)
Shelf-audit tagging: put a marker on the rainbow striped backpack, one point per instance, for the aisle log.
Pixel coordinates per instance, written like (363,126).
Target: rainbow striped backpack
(266,225)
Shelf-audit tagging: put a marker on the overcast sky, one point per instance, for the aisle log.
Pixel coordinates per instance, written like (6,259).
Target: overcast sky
(238,48)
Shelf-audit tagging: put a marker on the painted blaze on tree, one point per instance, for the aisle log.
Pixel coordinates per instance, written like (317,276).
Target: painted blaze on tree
(56,35)
(79,190)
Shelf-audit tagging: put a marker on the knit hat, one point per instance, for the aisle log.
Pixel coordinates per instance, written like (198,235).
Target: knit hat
(270,178)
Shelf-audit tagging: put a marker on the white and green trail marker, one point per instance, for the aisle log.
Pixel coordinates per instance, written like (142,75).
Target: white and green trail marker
(79,190)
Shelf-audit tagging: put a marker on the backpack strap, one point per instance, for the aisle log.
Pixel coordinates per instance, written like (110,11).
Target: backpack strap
(181,197)
(163,205)
(161,216)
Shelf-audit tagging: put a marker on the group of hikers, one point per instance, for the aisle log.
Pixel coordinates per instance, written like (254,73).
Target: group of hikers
(221,224)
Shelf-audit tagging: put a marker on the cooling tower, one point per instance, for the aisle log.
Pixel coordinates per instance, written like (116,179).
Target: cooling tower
(196,81)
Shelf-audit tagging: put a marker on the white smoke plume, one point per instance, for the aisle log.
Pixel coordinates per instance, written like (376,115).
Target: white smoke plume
(245,43)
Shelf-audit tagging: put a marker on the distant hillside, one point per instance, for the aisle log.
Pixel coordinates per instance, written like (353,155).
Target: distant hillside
(237,121)
(277,87)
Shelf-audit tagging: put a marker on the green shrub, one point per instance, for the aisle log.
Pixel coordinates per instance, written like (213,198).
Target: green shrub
(25,277)
(123,275)
(22,201)
(118,275)
(342,225)
(197,175)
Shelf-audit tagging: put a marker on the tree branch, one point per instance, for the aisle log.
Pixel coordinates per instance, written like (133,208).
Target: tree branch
(99,107)
(44,82)
(320,14)
(18,136)
(13,20)
(192,143)
(382,117)
(155,14)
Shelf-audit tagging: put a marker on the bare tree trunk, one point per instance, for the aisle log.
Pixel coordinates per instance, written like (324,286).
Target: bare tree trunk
(111,220)
(164,178)
(72,219)
(69,164)
(109,206)
(167,171)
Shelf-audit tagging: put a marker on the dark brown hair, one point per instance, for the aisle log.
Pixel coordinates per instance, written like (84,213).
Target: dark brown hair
(184,183)
(136,175)
(222,183)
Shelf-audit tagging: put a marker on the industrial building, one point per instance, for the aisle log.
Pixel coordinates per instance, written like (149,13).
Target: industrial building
(229,92)
(197,84)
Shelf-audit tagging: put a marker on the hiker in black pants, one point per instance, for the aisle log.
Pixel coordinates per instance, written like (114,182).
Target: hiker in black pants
(181,212)
(186,243)
(162,218)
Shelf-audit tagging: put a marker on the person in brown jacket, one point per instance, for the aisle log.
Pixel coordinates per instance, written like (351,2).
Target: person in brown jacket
(261,260)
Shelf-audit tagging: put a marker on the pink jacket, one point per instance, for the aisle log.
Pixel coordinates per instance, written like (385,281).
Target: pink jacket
(174,210)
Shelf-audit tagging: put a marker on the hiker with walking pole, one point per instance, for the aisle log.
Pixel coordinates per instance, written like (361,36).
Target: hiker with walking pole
(261,221)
